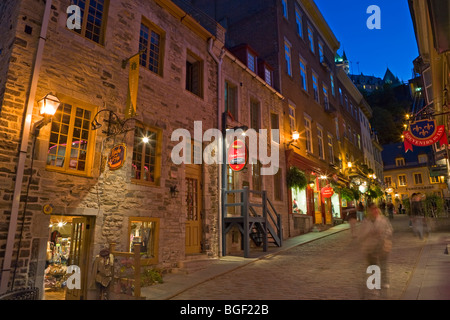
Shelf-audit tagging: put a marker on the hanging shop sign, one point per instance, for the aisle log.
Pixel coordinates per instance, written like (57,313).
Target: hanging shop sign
(327,192)
(237,155)
(117,156)
(424,133)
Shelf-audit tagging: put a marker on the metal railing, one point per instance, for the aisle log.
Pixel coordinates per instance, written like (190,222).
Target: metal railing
(21,294)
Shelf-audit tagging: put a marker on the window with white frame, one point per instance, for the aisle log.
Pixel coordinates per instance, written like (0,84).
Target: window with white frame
(308,134)
(315,87)
(418,178)
(330,148)
(288,57)
(325,96)
(423,158)
(292,118)
(336,122)
(311,39)
(298,20)
(332,85)
(268,76)
(255,115)
(388,181)
(428,84)
(231,99)
(402,180)
(285,8)
(320,143)
(303,75)
(275,125)
(321,56)
(400,162)
(251,61)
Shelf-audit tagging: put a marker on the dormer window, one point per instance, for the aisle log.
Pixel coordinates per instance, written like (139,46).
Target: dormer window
(423,158)
(268,76)
(400,162)
(251,61)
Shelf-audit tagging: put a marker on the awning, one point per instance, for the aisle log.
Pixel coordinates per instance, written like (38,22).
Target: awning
(437,171)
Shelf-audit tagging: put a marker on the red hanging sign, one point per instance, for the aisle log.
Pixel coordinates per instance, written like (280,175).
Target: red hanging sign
(424,133)
(327,192)
(237,155)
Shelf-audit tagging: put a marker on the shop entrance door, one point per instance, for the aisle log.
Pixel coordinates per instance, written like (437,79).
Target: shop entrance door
(193,205)
(79,254)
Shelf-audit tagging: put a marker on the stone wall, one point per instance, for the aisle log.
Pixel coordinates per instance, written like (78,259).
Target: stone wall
(81,71)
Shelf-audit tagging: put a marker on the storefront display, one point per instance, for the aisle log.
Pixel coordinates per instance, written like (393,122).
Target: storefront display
(143,231)
(58,249)
(299,205)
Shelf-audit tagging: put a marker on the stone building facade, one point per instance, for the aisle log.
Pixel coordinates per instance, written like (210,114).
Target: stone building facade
(252,102)
(69,178)
(295,39)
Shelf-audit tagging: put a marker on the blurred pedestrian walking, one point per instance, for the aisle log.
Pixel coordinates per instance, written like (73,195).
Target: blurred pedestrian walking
(351,218)
(390,210)
(417,215)
(375,239)
(360,211)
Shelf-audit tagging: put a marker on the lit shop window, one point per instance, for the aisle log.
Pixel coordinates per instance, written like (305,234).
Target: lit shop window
(69,145)
(146,161)
(145,232)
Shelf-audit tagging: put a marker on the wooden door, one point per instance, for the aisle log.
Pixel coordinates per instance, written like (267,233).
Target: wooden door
(79,255)
(193,207)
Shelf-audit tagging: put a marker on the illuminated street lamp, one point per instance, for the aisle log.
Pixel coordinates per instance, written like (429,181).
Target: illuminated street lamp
(295,137)
(47,108)
(48,105)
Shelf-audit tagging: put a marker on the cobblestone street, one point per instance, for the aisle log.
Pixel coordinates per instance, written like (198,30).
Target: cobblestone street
(328,268)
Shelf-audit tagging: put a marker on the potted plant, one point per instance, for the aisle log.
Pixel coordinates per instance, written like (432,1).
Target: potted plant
(296,179)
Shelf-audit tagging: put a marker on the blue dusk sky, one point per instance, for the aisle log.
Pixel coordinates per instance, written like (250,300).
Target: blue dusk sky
(371,51)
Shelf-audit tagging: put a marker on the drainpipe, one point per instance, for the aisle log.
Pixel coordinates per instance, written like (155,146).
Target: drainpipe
(6,271)
(219,61)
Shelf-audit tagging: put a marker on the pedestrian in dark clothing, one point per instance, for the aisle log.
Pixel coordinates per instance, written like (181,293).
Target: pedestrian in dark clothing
(390,209)
(351,218)
(383,207)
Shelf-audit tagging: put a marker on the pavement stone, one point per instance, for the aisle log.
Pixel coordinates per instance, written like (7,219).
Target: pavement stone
(318,266)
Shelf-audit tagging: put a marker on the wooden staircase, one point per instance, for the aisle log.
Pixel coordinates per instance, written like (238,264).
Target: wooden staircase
(258,222)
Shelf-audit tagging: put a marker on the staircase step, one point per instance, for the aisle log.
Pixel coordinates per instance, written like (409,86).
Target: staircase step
(193,264)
